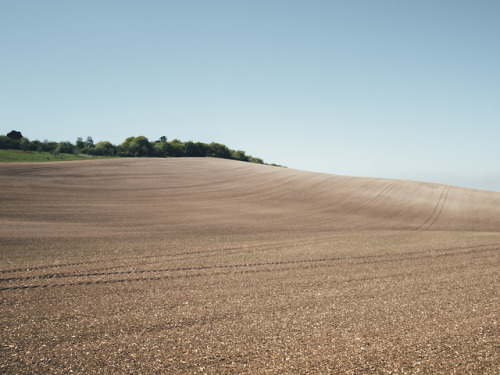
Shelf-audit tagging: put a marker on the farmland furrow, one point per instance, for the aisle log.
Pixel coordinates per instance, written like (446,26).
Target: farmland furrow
(363,259)
(309,265)
(217,266)
(94,272)
(438,208)
(375,199)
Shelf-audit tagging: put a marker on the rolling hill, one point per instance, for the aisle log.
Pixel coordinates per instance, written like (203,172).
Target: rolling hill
(206,192)
(201,265)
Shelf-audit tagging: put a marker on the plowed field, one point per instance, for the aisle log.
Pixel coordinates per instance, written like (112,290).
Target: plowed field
(217,266)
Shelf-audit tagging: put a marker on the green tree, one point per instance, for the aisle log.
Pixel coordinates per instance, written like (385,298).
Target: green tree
(7,142)
(143,146)
(14,134)
(36,145)
(251,159)
(105,149)
(89,142)
(197,149)
(239,155)
(176,148)
(123,149)
(11,140)
(24,144)
(135,146)
(159,147)
(132,146)
(79,143)
(50,146)
(65,148)
(218,150)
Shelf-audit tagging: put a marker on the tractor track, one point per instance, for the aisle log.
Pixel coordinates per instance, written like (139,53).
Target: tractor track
(357,260)
(436,212)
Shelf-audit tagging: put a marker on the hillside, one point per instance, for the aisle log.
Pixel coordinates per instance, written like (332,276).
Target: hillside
(206,192)
(201,265)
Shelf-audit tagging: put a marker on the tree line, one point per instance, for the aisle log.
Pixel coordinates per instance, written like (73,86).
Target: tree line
(132,147)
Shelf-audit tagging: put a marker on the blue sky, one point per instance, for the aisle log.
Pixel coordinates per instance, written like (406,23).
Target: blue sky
(394,89)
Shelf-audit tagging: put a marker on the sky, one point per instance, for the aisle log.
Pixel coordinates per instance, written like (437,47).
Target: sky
(387,88)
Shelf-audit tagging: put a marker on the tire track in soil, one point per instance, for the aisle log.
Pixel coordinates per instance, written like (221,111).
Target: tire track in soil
(20,171)
(133,269)
(331,188)
(89,262)
(380,196)
(117,281)
(377,198)
(438,208)
(328,217)
(215,252)
(441,209)
(55,276)
(309,262)
(242,272)
(258,248)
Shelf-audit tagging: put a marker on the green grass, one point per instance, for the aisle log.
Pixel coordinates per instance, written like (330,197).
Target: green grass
(10,156)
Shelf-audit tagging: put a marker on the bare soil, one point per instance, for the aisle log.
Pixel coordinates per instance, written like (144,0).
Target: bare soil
(223,267)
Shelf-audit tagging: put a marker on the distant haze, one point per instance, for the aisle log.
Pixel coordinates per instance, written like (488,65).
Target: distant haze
(406,90)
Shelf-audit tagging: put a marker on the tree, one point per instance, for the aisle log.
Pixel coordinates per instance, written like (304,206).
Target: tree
(24,144)
(135,146)
(89,142)
(4,142)
(132,146)
(176,148)
(79,143)
(11,140)
(36,145)
(197,149)
(49,146)
(251,159)
(123,149)
(143,146)
(158,149)
(65,148)
(14,134)
(218,150)
(239,155)
(105,148)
